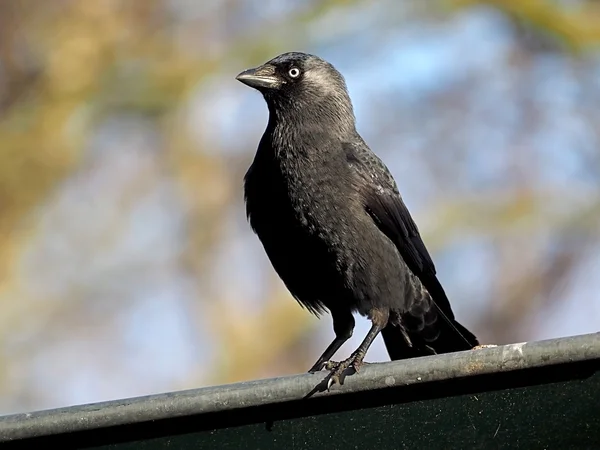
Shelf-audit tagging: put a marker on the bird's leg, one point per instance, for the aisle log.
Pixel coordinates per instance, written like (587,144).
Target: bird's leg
(343,325)
(379,319)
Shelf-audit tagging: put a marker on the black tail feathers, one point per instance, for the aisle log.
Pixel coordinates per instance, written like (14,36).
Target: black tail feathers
(397,345)
(452,337)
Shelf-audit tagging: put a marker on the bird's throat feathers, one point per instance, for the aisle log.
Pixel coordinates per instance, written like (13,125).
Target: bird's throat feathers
(299,123)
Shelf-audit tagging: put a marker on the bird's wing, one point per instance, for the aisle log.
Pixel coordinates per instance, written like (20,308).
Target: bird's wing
(384,204)
(382,201)
(391,215)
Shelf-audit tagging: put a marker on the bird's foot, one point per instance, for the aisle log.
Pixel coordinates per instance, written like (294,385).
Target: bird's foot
(319,365)
(477,347)
(338,369)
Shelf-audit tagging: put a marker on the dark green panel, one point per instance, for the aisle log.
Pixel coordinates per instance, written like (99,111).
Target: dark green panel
(559,415)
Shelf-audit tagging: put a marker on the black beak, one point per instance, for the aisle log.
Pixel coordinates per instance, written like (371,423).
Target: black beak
(262,77)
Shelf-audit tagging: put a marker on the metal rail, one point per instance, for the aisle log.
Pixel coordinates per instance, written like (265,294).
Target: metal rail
(279,390)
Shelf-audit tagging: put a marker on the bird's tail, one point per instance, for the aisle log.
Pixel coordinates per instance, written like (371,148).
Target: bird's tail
(397,345)
(428,327)
(451,337)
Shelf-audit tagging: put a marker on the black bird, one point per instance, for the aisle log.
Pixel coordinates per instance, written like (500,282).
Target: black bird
(333,224)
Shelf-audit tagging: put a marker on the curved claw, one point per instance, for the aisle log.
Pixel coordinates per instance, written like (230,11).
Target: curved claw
(334,379)
(319,365)
(337,372)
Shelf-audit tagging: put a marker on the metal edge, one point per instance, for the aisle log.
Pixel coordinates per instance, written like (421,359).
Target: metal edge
(277,390)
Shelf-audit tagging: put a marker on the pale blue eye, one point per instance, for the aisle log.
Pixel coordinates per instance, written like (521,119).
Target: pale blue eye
(294,72)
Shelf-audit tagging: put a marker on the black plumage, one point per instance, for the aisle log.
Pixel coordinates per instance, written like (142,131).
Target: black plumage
(333,223)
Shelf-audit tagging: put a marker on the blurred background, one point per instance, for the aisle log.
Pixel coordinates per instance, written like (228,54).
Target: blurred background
(127,266)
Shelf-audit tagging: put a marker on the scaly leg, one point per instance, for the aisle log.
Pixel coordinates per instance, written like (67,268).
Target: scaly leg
(379,319)
(343,325)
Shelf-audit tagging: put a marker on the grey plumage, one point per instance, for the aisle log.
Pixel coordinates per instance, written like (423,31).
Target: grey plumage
(333,223)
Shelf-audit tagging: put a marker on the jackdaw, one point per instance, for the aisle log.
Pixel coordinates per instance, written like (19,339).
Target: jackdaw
(333,224)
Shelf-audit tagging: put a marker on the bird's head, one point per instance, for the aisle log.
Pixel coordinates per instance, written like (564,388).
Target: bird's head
(302,84)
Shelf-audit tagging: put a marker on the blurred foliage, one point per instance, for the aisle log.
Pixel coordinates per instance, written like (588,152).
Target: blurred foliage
(68,66)
(575,26)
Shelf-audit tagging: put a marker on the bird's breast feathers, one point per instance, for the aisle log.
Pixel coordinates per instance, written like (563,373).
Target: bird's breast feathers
(308,192)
